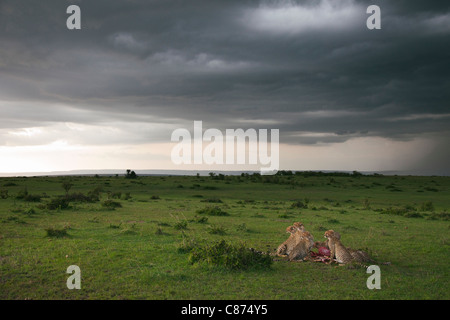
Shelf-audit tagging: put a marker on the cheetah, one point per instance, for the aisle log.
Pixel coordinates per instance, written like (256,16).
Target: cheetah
(337,249)
(342,254)
(284,248)
(299,226)
(300,251)
(360,255)
(319,244)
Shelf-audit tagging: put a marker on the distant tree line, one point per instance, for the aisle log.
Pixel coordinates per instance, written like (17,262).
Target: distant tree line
(257,175)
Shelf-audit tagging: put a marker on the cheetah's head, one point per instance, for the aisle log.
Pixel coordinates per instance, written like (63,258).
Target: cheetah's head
(329,234)
(307,235)
(291,229)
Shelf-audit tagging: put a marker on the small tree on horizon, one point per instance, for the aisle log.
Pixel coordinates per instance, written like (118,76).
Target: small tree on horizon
(67,185)
(130,174)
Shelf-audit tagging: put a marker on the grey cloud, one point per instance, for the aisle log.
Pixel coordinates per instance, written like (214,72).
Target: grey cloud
(201,60)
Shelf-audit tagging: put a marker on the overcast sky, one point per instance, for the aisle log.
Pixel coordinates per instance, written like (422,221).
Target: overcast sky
(108,96)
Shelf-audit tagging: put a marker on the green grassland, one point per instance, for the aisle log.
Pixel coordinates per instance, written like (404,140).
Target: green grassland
(132,238)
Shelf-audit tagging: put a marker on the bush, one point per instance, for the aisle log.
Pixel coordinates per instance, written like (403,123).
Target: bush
(210,188)
(217,230)
(4,193)
(213,200)
(13,219)
(56,233)
(231,256)
(439,216)
(67,185)
(129,230)
(366,204)
(242,228)
(94,194)
(29,211)
(213,211)
(80,197)
(115,195)
(406,211)
(126,196)
(110,204)
(427,206)
(159,231)
(32,198)
(10,184)
(413,215)
(58,203)
(198,219)
(299,205)
(22,194)
(181,225)
(187,245)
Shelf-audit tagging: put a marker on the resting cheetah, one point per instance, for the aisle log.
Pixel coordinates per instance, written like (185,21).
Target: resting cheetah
(305,242)
(286,247)
(337,248)
(342,254)
(360,255)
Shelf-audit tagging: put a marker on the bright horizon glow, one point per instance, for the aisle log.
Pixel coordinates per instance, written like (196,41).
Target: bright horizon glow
(361,154)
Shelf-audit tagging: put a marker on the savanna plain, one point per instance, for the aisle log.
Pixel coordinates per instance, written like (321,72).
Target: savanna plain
(188,237)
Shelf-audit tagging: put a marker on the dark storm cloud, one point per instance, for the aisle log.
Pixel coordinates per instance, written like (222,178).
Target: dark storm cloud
(300,66)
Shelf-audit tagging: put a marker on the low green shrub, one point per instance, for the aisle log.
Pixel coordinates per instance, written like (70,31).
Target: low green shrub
(217,230)
(213,211)
(181,225)
(129,230)
(427,206)
(80,197)
(187,245)
(242,228)
(406,211)
(115,195)
(32,198)
(56,233)
(110,204)
(22,194)
(4,193)
(299,205)
(126,196)
(229,255)
(58,203)
(439,216)
(212,200)
(198,219)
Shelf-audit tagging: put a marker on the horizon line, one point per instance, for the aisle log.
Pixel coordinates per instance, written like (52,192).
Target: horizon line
(149,172)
